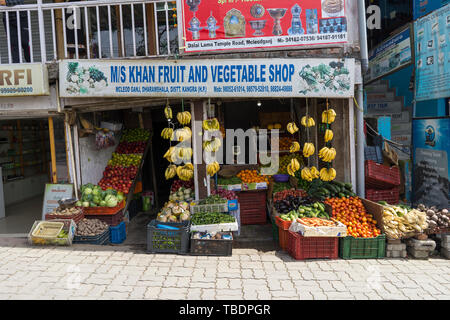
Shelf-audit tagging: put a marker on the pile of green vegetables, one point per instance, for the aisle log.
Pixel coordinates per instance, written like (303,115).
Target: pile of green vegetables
(213,199)
(94,196)
(227,181)
(211,218)
(281,186)
(316,210)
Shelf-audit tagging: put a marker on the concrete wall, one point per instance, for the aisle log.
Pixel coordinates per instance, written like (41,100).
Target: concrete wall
(21,190)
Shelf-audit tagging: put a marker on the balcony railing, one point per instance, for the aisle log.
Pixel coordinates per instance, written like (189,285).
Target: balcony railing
(101,29)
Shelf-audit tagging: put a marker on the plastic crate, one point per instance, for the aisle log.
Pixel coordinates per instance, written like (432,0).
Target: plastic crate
(118,234)
(391,196)
(168,241)
(210,247)
(379,176)
(100,239)
(111,219)
(68,225)
(283,238)
(283,223)
(104,210)
(213,207)
(362,248)
(253,207)
(373,153)
(301,248)
(75,217)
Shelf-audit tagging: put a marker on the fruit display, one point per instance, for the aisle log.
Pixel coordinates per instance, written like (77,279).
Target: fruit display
(185,172)
(177,184)
(328,116)
(401,222)
(316,222)
(228,181)
(308,122)
(327,154)
(120,171)
(168,113)
(285,160)
(322,190)
(182,194)
(167,133)
(125,160)
(94,196)
(292,128)
(135,135)
(211,124)
(436,218)
(281,195)
(285,143)
(171,154)
(174,211)
(292,167)
(309,174)
(184,118)
(212,145)
(314,210)
(213,199)
(91,227)
(308,149)
(291,203)
(226,194)
(171,171)
(351,212)
(252,176)
(119,183)
(211,218)
(126,147)
(212,168)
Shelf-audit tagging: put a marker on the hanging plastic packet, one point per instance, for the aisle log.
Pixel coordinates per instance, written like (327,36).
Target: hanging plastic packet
(104,139)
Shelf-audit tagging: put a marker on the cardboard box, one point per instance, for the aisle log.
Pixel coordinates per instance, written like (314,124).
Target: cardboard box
(338,231)
(254,186)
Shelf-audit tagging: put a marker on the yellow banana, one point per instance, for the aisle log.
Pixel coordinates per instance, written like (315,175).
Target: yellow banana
(314,172)
(329,135)
(295,165)
(295,147)
(170,172)
(184,117)
(292,128)
(328,116)
(308,150)
(168,112)
(308,122)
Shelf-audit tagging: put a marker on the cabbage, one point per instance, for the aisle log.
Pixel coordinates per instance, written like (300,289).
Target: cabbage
(96,191)
(96,199)
(79,203)
(111,202)
(87,197)
(87,190)
(120,197)
(92,204)
(86,204)
(102,203)
(110,192)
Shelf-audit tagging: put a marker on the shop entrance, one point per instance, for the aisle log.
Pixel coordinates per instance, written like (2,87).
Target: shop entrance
(25,163)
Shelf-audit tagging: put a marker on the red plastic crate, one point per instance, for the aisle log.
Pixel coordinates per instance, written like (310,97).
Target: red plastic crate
(110,219)
(379,176)
(391,196)
(283,238)
(75,217)
(301,248)
(253,207)
(283,223)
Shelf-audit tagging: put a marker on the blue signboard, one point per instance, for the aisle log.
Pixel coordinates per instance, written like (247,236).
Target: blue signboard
(423,7)
(432,42)
(431,162)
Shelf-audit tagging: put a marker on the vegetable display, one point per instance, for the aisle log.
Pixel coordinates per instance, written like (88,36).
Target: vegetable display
(213,199)
(286,193)
(182,194)
(177,184)
(316,210)
(280,186)
(401,222)
(252,176)
(66,212)
(316,222)
(226,194)
(211,218)
(321,189)
(351,212)
(91,227)
(285,160)
(436,218)
(174,212)
(94,196)
(228,181)
(290,203)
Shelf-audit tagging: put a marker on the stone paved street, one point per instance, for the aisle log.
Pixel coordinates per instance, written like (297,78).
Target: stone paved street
(93,272)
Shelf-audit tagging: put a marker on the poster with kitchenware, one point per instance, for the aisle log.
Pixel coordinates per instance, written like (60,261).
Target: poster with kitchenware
(236,24)
(432,47)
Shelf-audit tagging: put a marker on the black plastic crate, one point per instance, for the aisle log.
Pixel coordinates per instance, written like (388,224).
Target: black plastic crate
(373,153)
(168,241)
(212,247)
(100,239)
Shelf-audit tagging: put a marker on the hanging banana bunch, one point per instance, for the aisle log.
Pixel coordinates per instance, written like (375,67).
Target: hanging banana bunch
(293,167)
(292,128)
(327,154)
(308,149)
(212,168)
(295,147)
(328,116)
(167,133)
(184,118)
(168,112)
(171,154)
(328,135)
(212,145)
(183,134)
(185,153)
(308,122)
(309,174)
(185,172)
(327,174)
(211,125)
(171,171)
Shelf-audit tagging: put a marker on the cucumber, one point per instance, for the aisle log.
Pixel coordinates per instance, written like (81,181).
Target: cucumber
(349,186)
(324,191)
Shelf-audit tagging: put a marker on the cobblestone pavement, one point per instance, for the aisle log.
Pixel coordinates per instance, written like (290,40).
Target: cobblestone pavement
(93,272)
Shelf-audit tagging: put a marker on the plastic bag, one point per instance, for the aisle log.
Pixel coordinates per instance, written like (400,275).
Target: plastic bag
(104,140)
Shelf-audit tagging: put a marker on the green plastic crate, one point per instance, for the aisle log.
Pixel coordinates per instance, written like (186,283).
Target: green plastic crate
(362,248)
(274,230)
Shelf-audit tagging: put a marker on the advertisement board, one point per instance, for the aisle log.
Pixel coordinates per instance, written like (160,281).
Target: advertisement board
(208,78)
(23,80)
(238,24)
(391,55)
(53,193)
(432,47)
(431,161)
(423,7)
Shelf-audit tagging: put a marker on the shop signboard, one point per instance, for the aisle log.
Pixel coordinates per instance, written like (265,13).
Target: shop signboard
(331,78)
(53,193)
(431,161)
(11,106)
(23,80)
(432,42)
(423,7)
(391,55)
(238,24)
